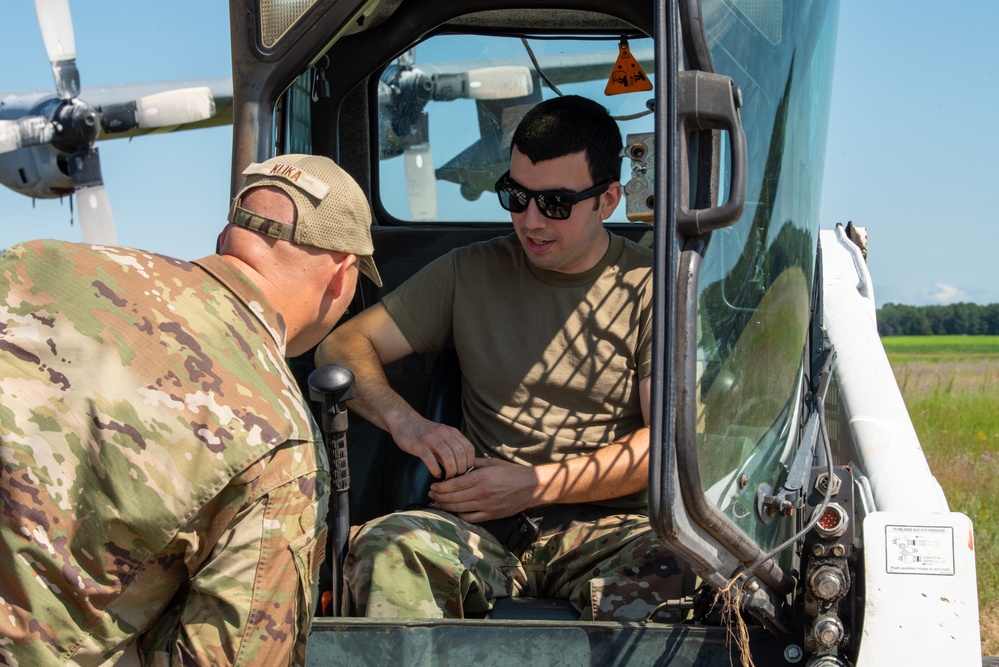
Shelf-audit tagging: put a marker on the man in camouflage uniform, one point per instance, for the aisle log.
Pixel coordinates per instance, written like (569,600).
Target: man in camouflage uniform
(163,481)
(552,327)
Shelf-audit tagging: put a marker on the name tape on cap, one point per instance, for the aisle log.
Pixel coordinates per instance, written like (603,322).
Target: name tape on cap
(301,179)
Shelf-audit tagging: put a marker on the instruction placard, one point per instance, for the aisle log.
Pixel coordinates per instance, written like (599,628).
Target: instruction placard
(919,550)
(628,75)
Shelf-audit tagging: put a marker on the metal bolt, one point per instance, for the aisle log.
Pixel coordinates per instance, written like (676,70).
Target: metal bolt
(769,507)
(743,482)
(752,586)
(826,661)
(827,583)
(827,631)
(793,653)
(818,550)
(838,550)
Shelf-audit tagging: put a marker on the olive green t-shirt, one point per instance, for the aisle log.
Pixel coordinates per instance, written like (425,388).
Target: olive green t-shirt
(551,362)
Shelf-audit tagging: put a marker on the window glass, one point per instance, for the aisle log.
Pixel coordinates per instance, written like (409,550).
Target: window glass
(293,115)
(447,109)
(277,16)
(756,279)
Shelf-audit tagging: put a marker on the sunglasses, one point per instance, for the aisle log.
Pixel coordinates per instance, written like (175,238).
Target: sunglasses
(553,204)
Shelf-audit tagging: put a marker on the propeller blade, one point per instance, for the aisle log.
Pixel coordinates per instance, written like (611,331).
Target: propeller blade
(418,165)
(166,109)
(56,25)
(499,83)
(92,202)
(96,220)
(175,107)
(503,82)
(421,183)
(25,131)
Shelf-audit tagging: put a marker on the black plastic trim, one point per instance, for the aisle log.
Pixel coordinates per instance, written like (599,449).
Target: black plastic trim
(701,511)
(662,459)
(695,41)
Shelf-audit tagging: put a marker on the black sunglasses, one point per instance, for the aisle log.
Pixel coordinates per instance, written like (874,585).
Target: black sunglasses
(553,204)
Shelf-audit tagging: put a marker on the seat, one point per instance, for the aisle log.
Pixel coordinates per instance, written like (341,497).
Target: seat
(443,406)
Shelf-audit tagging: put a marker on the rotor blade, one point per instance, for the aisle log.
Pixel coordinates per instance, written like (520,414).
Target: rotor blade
(421,183)
(56,25)
(481,83)
(96,220)
(25,131)
(166,109)
(499,83)
(175,107)
(418,165)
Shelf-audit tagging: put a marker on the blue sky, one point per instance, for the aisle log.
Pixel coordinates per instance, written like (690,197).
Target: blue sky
(169,192)
(911,151)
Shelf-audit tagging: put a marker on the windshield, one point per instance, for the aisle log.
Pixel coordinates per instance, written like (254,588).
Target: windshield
(756,279)
(447,108)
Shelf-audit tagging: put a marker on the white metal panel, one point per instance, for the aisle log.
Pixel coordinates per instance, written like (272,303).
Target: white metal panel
(921,606)
(888,449)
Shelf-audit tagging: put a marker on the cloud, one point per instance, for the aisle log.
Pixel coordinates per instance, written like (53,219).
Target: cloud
(943,294)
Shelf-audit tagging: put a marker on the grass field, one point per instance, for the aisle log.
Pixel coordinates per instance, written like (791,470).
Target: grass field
(951,387)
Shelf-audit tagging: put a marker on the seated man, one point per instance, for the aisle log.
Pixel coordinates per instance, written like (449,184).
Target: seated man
(552,326)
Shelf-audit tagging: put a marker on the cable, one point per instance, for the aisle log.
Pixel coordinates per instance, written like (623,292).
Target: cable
(820,407)
(537,67)
(634,116)
(551,84)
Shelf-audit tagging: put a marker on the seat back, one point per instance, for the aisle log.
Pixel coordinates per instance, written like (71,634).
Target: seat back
(413,479)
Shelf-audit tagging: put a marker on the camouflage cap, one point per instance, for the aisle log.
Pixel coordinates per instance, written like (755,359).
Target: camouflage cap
(333,212)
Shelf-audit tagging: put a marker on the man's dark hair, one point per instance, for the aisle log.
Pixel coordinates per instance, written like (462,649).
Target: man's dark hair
(572,124)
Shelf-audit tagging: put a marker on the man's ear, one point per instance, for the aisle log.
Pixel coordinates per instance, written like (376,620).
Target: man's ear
(341,275)
(220,242)
(609,200)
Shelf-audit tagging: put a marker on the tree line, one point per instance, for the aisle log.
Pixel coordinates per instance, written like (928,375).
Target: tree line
(968,319)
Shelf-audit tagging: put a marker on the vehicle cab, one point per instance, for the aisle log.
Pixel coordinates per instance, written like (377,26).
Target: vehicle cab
(784,467)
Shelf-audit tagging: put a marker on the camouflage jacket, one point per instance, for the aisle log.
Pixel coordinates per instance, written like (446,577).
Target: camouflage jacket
(162,478)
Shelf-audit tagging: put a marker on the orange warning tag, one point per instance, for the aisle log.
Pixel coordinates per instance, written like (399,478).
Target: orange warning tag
(628,76)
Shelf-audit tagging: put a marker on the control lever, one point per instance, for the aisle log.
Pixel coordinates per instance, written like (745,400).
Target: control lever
(332,386)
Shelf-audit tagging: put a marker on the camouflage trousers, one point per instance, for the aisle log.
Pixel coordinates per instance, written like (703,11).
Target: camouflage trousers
(431,564)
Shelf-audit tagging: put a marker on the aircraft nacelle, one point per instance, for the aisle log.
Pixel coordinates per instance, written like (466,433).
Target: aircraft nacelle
(40,171)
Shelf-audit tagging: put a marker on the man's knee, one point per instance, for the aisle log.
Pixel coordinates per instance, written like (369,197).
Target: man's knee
(423,564)
(385,536)
(642,574)
(410,539)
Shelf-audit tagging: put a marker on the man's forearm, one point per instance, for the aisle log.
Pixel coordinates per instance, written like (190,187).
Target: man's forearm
(444,450)
(375,400)
(616,470)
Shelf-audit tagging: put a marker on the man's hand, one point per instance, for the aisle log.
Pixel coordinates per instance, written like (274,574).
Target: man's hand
(498,488)
(493,490)
(443,449)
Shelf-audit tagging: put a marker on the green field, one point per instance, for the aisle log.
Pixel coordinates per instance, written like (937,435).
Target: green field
(951,387)
(927,348)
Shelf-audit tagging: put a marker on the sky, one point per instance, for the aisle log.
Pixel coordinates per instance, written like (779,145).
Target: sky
(169,192)
(911,151)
